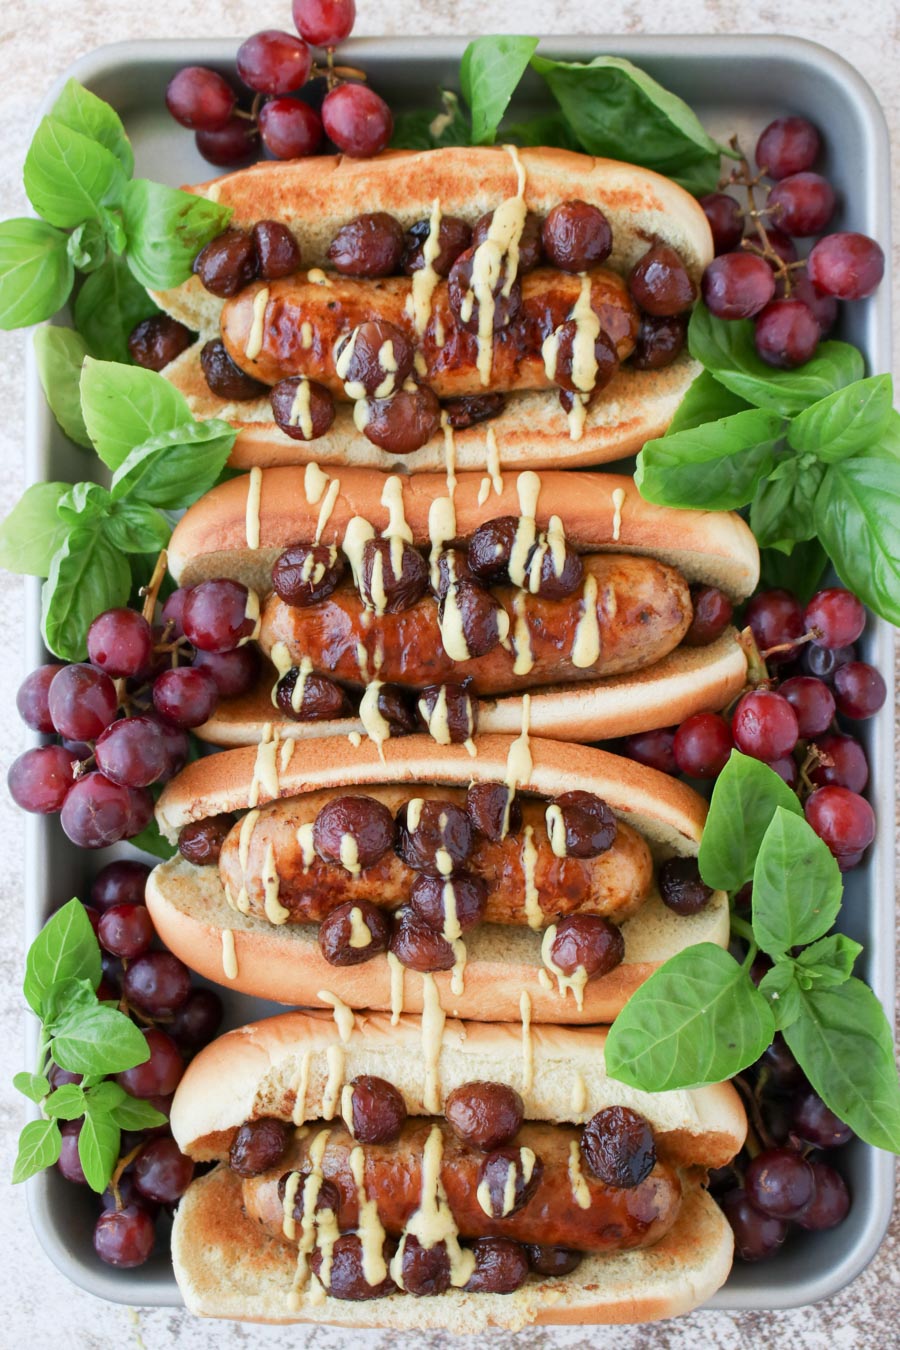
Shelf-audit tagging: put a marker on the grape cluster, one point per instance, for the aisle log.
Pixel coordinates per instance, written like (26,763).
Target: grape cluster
(786,1174)
(759,275)
(274,67)
(790,720)
(155,988)
(120,721)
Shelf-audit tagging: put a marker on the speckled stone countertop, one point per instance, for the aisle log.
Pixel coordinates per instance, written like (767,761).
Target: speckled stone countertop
(38,40)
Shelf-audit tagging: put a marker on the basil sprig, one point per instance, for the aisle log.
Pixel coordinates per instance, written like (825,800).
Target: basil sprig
(814,452)
(700,1018)
(122,233)
(79,537)
(82,1035)
(605,107)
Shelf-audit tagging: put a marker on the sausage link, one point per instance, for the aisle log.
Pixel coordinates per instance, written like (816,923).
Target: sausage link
(613,1220)
(303,321)
(614,884)
(643,610)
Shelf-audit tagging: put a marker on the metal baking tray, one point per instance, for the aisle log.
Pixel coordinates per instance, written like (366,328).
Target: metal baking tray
(735,84)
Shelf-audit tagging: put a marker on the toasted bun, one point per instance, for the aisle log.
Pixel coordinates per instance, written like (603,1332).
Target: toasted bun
(226,1266)
(191,912)
(600,512)
(315,197)
(688,680)
(255,1070)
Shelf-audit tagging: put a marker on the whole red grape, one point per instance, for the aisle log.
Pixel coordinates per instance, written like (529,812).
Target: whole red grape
(324,23)
(786,146)
(846,265)
(357,119)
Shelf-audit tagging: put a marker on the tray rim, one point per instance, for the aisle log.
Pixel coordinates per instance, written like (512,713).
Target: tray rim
(153,1290)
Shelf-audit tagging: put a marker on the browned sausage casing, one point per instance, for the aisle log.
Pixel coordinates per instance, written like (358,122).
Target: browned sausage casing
(333,308)
(643,612)
(614,1221)
(614,884)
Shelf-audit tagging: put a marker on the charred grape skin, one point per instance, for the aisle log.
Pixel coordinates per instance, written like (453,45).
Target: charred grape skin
(40,779)
(32,699)
(324,23)
(725,219)
(272,62)
(764,725)
(200,99)
(290,129)
(848,266)
(357,120)
(155,342)
(757,1236)
(779,1182)
(787,146)
(702,745)
(737,286)
(786,334)
(82,702)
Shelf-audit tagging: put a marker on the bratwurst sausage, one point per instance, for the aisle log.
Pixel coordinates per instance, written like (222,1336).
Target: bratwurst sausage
(613,1219)
(295,328)
(614,884)
(643,610)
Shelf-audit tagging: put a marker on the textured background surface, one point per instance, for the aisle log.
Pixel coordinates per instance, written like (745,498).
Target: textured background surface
(38,40)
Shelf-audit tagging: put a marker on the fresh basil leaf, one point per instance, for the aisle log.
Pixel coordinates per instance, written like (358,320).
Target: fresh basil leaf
(60,353)
(697,1020)
(87,246)
(797,885)
(134,1114)
(98,1149)
(425,130)
(98,1040)
(744,801)
(844,1044)
(705,401)
(726,349)
(176,467)
(66,1103)
(857,517)
(65,1001)
(109,305)
(87,576)
(68,176)
(781,513)
(617,110)
(34,1086)
(124,406)
(106,1096)
(82,111)
(114,229)
(32,532)
(166,229)
(39,1147)
(800,571)
(151,841)
(36,272)
(850,419)
(64,949)
(83,502)
(715,467)
(546,129)
(489,73)
(134,528)
(829,961)
(779,986)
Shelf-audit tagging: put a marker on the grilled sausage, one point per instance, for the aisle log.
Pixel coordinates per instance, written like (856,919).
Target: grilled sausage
(304,319)
(643,611)
(613,884)
(613,1219)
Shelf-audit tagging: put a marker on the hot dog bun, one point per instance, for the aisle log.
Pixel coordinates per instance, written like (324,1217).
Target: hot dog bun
(227,1267)
(284,963)
(600,512)
(315,197)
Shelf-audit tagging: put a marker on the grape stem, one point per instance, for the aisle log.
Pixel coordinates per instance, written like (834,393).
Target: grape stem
(150,592)
(742,177)
(117,1173)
